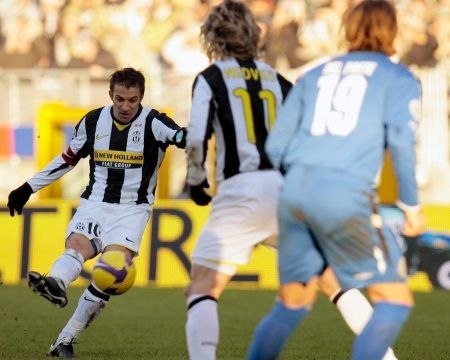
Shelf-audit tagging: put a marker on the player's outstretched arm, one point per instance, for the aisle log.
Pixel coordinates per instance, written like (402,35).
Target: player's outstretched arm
(167,131)
(55,169)
(52,172)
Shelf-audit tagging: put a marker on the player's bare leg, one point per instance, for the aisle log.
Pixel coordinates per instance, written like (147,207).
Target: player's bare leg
(202,325)
(352,304)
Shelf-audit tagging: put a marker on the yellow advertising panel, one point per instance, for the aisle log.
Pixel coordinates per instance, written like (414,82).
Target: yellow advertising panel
(34,240)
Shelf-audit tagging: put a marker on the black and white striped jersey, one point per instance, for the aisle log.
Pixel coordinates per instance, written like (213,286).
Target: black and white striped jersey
(238,102)
(124,159)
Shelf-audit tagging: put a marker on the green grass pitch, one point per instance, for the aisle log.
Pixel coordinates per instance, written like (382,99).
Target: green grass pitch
(148,323)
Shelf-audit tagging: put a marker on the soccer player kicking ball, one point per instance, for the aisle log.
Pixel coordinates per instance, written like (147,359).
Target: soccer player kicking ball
(330,137)
(126,144)
(237,98)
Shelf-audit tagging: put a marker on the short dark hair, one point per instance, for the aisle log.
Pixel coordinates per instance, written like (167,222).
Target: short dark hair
(128,77)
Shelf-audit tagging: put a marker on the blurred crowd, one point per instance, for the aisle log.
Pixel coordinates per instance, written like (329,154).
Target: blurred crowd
(161,38)
(149,34)
(301,31)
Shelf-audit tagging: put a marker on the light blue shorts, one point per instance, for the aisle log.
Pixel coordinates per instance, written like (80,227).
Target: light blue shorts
(327,219)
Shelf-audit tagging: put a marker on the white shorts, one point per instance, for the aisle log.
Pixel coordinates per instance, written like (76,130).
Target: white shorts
(112,224)
(243,214)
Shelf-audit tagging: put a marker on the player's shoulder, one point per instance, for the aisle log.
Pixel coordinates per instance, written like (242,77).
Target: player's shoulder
(403,71)
(262,65)
(398,74)
(390,64)
(310,70)
(91,118)
(210,75)
(210,71)
(152,114)
(271,73)
(94,114)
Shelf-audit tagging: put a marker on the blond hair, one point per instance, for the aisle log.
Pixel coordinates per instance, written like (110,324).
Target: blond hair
(371,26)
(230,30)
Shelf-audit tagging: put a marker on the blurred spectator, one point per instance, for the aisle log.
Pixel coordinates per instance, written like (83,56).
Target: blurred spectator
(11,9)
(88,54)
(160,25)
(24,46)
(440,28)
(85,10)
(282,42)
(50,11)
(2,37)
(63,40)
(182,50)
(124,25)
(420,44)
(318,37)
(263,10)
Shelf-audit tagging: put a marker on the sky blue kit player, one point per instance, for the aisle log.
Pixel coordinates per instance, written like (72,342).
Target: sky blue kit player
(330,137)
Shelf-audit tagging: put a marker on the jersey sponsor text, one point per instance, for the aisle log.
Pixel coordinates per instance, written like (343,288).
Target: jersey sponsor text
(118,159)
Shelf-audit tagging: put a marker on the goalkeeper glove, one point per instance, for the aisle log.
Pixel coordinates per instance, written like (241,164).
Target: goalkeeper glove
(18,198)
(198,195)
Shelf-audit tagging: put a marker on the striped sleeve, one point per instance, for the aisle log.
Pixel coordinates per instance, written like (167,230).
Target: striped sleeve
(64,162)
(285,127)
(197,131)
(163,128)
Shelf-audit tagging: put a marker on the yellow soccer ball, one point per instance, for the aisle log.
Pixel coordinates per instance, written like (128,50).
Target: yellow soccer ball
(114,272)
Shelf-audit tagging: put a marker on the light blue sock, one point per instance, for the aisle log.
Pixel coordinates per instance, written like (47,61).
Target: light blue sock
(273,331)
(381,331)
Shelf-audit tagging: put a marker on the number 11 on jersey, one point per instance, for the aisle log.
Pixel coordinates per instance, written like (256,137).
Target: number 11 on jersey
(265,95)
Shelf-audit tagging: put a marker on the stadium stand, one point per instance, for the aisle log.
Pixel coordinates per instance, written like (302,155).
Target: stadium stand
(159,37)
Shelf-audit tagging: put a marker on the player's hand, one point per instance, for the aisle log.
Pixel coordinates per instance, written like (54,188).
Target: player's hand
(415,223)
(18,198)
(179,139)
(198,195)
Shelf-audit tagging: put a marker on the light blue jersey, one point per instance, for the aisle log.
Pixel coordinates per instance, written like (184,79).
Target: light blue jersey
(341,116)
(330,136)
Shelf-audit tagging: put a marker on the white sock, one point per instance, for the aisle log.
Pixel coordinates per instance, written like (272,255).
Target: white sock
(354,307)
(356,311)
(202,327)
(67,267)
(91,303)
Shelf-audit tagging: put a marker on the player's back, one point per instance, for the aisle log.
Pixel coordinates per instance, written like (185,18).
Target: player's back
(244,99)
(346,105)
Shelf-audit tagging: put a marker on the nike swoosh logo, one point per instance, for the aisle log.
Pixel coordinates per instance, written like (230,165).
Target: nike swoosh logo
(126,238)
(98,137)
(87,299)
